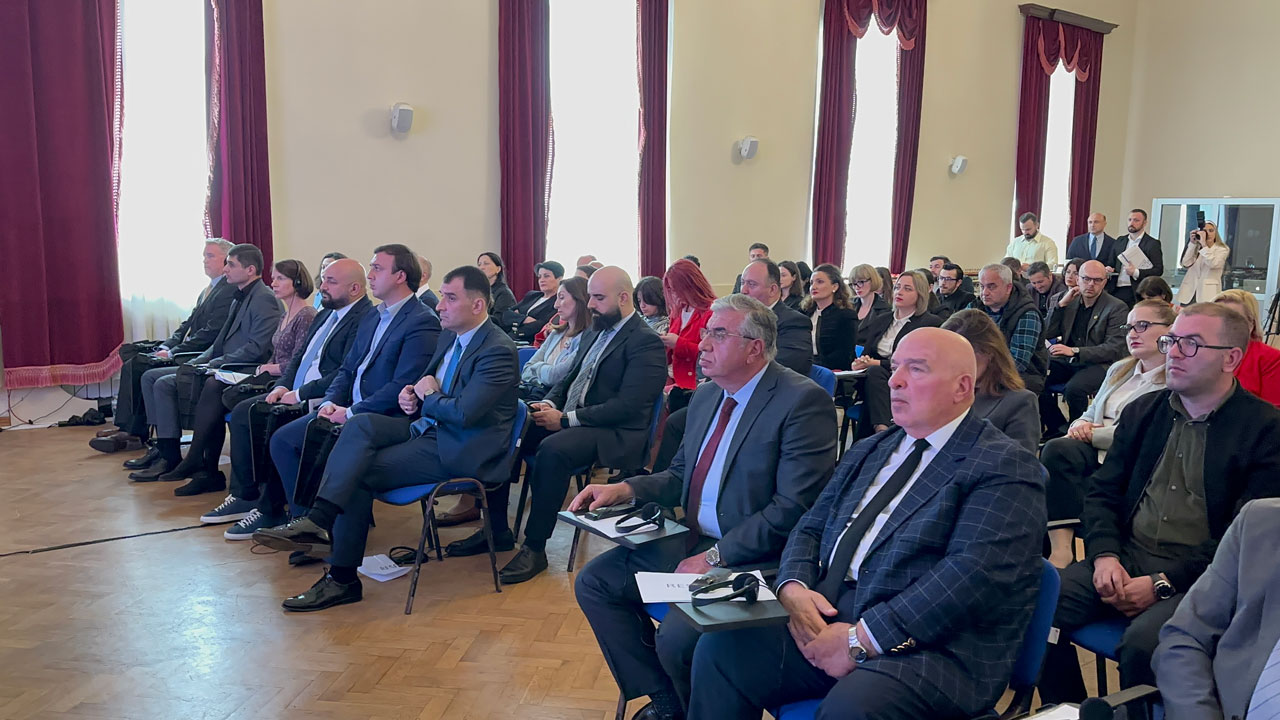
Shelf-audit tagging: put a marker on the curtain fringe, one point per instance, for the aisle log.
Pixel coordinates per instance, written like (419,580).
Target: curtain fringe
(51,375)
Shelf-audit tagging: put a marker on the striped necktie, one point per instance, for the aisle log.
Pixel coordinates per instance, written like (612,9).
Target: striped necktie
(577,394)
(1265,704)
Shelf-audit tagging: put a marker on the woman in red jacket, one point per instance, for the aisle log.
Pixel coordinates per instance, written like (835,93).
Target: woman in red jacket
(1259,371)
(689,297)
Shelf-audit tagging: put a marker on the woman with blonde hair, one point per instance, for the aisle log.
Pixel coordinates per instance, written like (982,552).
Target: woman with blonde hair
(999,393)
(865,283)
(1204,258)
(1259,371)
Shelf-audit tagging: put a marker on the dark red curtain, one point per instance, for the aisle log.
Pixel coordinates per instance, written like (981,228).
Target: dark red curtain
(835,136)
(1084,127)
(910,95)
(524,135)
(238,207)
(651,55)
(59,282)
(1033,124)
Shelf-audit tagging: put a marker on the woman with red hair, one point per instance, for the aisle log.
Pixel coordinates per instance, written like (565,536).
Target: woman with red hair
(689,297)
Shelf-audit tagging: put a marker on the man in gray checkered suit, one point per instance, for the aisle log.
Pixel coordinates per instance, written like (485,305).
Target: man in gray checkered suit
(911,580)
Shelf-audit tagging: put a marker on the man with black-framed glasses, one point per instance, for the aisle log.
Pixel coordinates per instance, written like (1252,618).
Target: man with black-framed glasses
(1085,339)
(1163,499)
(952,297)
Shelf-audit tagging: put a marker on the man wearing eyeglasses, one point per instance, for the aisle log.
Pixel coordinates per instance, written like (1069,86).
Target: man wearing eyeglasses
(952,297)
(1162,500)
(1086,338)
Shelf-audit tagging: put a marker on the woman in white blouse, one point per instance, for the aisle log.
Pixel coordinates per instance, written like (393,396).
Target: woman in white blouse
(554,358)
(1204,259)
(1072,459)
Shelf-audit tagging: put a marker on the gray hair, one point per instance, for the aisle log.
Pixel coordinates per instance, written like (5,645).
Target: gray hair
(1006,275)
(223,244)
(758,322)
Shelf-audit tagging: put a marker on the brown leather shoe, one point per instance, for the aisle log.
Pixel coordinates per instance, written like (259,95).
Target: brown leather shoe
(458,517)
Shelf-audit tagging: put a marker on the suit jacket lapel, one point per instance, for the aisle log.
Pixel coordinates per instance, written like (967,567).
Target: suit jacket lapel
(616,342)
(473,347)
(866,473)
(696,432)
(391,327)
(759,398)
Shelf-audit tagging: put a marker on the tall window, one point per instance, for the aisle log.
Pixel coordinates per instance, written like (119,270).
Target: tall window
(1055,215)
(163,163)
(869,204)
(595,106)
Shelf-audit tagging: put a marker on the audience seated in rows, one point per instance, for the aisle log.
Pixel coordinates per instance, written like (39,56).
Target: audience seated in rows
(555,357)
(425,294)
(756,251)
(999,393)
(140,370)
(1164,496)
(245,338)
(1032,245)
(535,309)
(1259,371)
(490,263)
(1219,654)
(952,297)
(598,413)
(257,497)
(1086,338)
(910,582)
(1071,460)
(881,336)
(1011,307)
(689,297)
(833,319)
(793,288)
(762,446)
(1071,281)
(465,406)
(1043,285)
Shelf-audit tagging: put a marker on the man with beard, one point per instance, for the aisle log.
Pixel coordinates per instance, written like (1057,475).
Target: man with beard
(599,413)
(1128,276)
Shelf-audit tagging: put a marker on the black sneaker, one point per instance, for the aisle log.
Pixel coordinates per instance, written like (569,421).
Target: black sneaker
(326,593)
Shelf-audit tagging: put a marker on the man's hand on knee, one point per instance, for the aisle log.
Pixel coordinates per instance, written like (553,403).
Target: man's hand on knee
(829,652)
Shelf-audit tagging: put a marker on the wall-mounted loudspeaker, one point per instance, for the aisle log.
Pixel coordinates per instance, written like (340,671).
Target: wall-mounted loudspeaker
(401,118)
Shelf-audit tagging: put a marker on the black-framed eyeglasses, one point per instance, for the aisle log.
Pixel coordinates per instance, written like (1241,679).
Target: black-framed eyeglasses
(1187,346)
(859,283)
(946,279)
(1087,279)
(1142,325)
(719,334)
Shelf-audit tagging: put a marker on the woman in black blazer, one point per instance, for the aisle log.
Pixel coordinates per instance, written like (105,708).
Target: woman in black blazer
(835,324)
(881,337)
(535,309)
(864,283)
(490,263)
(793,290)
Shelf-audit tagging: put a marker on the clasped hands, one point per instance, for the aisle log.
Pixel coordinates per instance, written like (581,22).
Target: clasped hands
(825,645)
(1118,589)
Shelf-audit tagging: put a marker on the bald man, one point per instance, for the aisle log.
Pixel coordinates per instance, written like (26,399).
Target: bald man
(913,576)
(1096,244)
(332,333)
(1086,336)
(599,413)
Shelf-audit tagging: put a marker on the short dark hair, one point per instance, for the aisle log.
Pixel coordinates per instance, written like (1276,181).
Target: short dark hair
(556,268)
(928,275)
(1013,264)
(403,260)
(952,267)
(1028,216)
(474,282)
(496,259)
(587,270)
(693,259)
(945,260)
(247,255)
(771,268)
(297,272)
(1154,286)
(1140,210)
(1039,266)
(759,246)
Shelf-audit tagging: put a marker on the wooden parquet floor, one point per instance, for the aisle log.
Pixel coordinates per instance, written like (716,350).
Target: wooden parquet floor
(188,625)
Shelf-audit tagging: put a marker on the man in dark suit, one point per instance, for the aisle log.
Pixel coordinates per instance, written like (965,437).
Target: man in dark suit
(1087,338)
(1219,655)
(1096,245)
(951,293)
(393,346)
(194,335)
(910,582)
(1128,276)
(761,449)
(466,405)
(757,251)
(245,338)
(425,294)
(599,413)
(1181,464)
(307,376)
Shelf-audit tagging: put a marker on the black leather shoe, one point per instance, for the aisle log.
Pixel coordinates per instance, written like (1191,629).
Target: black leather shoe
(650,712)
(326,593)
(116,443)
(144,462)
(524,566)
(297,558)
(182,471)
(152,473)
(475,545)
(299,534)
(202,482)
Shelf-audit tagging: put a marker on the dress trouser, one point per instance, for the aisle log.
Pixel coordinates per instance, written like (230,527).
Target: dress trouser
(1070,463)
(130,413)
(286,453)
(642,661)
(558,455)
(1079,605)
(245,482)
(374,453)
(1082,381)
(210,428)
(151,402)
(876,408)
(672,436)
(740,673)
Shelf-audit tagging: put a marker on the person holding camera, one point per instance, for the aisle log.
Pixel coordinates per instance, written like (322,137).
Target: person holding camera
(1204,258)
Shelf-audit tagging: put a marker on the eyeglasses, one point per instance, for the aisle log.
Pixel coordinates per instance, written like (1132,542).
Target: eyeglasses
(1187,346)
(946,279)
(719,334)
(1095,281)
(859,283)
(1141,326)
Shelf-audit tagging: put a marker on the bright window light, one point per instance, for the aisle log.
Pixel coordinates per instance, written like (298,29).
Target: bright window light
(595,102)
(1055,216)
(869,204)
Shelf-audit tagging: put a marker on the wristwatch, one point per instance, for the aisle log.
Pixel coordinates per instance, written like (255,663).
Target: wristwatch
(1164,589)
(857,653)
(1075,352)
(713,557)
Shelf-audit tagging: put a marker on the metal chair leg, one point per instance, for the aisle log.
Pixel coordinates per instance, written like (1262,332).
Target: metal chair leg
(417,565)
(573,549)
(524,497)
(622,707)
(1100,665)
(488,536)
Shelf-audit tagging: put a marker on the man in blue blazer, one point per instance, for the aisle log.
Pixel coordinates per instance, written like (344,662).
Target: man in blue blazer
(911,580)
(1097,245)
(466,405)
(393,346)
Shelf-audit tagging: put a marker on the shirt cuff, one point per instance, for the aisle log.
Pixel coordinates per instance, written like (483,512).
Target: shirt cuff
(349,413)
(784,583)
(870,636)
(573,418)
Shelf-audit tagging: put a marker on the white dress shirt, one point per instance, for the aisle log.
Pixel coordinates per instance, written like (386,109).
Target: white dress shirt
(885,346)
(1121,396)
(1123,278)
(708,520)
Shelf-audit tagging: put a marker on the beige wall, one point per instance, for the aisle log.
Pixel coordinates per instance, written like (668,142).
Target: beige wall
(339,180)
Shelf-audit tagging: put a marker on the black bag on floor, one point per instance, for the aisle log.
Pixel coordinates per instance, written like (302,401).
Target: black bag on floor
(316,446)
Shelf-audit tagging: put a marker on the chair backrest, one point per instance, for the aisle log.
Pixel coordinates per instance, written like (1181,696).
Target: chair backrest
(1026,669)
(825,378)
(524,354)
(653,425)
(517,431)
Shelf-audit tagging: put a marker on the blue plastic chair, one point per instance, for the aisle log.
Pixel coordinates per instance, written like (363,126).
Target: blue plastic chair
(425,495)
(825,378)
(1026,668)
(657,612)
(525,353)
(1101,638)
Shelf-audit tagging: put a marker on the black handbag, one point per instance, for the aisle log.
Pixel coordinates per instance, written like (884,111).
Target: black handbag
(259,384)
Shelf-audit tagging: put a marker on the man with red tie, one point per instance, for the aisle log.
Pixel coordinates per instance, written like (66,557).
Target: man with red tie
(759,447)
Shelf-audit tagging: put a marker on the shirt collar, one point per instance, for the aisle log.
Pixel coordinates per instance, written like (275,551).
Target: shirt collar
(214,282)
(342,311)
(1175,402)
(618,325)
(743,395)
(389,311)
(423,290)
(1150,375)
(465,338)
(938,438)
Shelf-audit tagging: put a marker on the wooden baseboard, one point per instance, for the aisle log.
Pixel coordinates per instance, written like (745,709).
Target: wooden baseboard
(4,421)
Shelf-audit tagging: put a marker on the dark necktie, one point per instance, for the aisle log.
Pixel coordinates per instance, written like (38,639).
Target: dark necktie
(699,478)
(1093,246)
(831,583)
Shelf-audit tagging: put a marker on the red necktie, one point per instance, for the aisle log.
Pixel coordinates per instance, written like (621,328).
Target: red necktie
(699,477)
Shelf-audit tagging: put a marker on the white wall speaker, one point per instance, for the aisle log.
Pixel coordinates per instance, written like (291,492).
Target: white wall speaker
(748,146)
(401,118)
(958,164)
